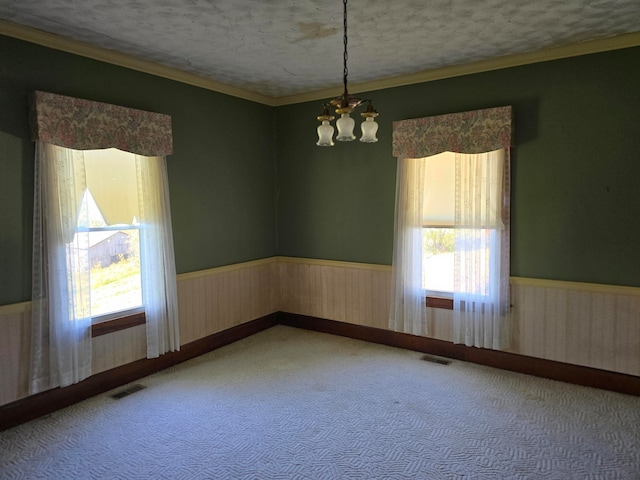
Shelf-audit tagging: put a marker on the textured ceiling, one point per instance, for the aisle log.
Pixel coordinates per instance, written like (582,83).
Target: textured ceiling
(285,47)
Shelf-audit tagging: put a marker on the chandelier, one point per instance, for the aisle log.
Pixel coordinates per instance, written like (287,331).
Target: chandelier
(344,105)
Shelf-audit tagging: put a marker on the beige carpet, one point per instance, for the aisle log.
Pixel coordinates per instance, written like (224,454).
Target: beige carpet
(293,404)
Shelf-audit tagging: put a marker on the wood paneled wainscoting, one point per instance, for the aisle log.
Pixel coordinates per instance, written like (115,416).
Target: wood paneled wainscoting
(581,333)
(210,301)
(590,325)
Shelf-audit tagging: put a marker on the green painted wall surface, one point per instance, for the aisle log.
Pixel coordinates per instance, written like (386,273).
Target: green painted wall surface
(222,175)
(575,169)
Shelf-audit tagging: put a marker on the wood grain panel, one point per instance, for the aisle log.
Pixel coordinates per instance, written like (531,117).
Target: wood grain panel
(596,326)
(14,354)
(118,348)
(209,302)
(591,377)
(34,406)
(223,298)
(342,292)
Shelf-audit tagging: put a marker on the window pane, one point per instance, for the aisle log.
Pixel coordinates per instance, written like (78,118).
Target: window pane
(476,259)
(115,271)
(111,179)
(474,252)
(437,259)
(110,252)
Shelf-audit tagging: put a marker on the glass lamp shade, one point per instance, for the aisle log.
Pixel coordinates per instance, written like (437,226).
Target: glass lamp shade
(369,130)
(345,126)
(325,134)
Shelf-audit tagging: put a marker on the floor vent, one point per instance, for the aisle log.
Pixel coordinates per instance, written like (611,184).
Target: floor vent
(439,361)
(128,391)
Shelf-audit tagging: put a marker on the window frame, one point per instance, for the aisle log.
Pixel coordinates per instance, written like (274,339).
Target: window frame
(438,301)
(131,316)
(120,319)
(443,299)
(127,319)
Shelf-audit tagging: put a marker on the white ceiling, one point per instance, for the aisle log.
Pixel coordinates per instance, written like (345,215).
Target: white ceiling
(285,47)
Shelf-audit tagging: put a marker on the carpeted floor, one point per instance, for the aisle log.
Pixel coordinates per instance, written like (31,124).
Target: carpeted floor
(294,404)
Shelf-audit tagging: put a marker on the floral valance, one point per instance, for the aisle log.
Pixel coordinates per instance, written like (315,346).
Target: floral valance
(477,131)
(87,125)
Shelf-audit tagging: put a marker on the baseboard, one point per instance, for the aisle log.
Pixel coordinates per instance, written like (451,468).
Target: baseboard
(575,374)
(35,406)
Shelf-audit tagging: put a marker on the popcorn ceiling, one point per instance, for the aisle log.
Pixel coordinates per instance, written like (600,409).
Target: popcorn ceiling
(284,47)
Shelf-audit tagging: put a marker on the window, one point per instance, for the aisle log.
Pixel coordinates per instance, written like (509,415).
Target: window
(102,240)
(438,260)
(449,239)
(438,219)
(451,236)
(108,220)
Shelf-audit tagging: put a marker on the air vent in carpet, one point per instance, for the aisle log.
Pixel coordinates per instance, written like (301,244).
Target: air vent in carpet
(128,391)
(439,361)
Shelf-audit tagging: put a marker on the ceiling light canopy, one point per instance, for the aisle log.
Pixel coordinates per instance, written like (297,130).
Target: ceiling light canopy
(344,105)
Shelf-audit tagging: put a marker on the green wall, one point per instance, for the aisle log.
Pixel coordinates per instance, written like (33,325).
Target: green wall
(222,175)
(575,203)
(575,169)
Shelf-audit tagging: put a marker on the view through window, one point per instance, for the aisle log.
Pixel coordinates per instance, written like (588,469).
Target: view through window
(439,235)
(110,243)
(438,259)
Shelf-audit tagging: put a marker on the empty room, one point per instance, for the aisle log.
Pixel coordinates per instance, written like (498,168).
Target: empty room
(297,239)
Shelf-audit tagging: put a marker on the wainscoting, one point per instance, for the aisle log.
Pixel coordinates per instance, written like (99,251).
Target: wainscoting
(583,324)
(15,333)
(210,301)
(217,299)
(596,326)
(347,292)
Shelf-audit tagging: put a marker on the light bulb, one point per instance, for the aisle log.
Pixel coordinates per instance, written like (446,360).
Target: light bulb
(369,129)
(325,134)
(345,126)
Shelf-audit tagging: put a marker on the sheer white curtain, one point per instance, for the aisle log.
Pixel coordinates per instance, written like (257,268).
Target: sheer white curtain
(481,316)
(408,307)
(481,276)
(61,318)
(157,264)
(62,128)
(61,327)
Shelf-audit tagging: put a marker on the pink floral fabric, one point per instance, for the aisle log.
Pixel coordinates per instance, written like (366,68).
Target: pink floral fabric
(87,125)
(477,131)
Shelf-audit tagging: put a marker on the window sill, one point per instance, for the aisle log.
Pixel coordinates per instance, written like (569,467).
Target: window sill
(439,302)
(117,324)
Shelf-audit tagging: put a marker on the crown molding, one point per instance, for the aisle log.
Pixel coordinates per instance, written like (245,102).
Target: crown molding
(109,56)
(543,55)
(83,49)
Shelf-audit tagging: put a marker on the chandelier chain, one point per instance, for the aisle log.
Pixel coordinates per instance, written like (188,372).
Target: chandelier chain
(346,54)
(344,105)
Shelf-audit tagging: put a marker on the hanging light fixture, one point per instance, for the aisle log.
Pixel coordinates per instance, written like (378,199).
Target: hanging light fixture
(344,105)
